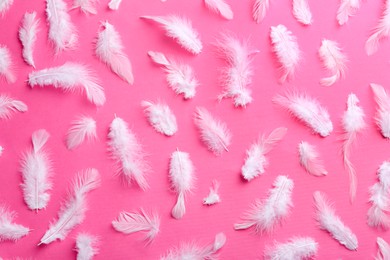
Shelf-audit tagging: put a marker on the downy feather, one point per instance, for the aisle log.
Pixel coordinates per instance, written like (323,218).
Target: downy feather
(301,11)
(347,8)
(62,31)
(5,5)
(181,174)
(382,116)
(383,249)
(109,49)
(287,51)
(28,36)
(36,171)
(180,76)
(72,212)
(86,6)
(333,60)
(9,105)
(214,134)
(220,7)
(6,65)
(180,29)
(86,246)
(128,153)
(160,117)
(70,77)
(297,248)
(131,222)
(256,160)
(265,215)
(329,221)
(114,4)
(82,128)
(213,196)
(8,229)
(309,159)
(308,110)
(381,31)
(259,10)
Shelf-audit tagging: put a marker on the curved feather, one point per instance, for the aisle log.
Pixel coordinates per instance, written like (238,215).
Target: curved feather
(309,159)
(5,6)
(28,36)
(8,229)
(160,117)
(6,70)
(382,116)
(81,129)
(301,11)
(9,105)
(297,248)
(259,10)
(86,246)
(334,61)
(86,6)
(220,7)
(383,249)
(381,31)
(347,9)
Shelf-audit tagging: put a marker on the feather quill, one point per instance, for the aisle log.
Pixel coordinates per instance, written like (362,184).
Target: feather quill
(8,229)
(308,110)
(382,117)
(72,212)
(109,49)
(383,249)
(213,196)
(287,51)
(132,222)
(213,133)
(9,105)
(160,117)
(381,31)
(301,11)
(86,246)
(220,7)
(28,36)
(297,248)
(347,9)
(128,153)
(6,65)
(70,77)
(114,4)
(309,159)
(256,160)
(259,10)
(86,6)
(82,128)
(181,174)
(334,61)
(180,29)
(5,5)
(265,215)
(330,222)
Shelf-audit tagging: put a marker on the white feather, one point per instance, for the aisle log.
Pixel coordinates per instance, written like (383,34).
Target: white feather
(109,49)
(330,222)
(36,171)
(132,222)
(72,212)
(297,248)
(259,10)
(383,249)
(265,215)
(160,117)
(6,65)
(62,31)
(86,246)
(8,229)
(9,105)
(5,5)
(334,61)
(256,160)
(287,51)
(220,7)
(381,31)
(181,174)
(86,6)
(301,11)
(347,8)
(114,4)
(128,153)
(382,116)
(28,36)
(308,110)
(309,159)
(213,196)
(180,29)
(70,77)
(82,128)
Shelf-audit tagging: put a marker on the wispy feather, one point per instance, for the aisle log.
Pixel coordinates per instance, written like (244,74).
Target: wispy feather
(220,7)
(382,116)
(160,117)
(9,105)
(86,246)
(28,36)
(6,66)
(309,159)
(259,10)
(301,11)
(8,229)
(86,6)
(213,196)
(82,128)
(347,9)
(297,248)
(381,31)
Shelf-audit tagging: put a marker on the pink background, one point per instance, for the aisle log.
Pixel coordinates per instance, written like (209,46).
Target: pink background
(54,110)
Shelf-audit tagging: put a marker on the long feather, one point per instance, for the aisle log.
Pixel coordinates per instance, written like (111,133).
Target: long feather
(109,49)
(9,105)
(132,222)
(259,10)
(297,248)
(114,4)
(347,9)
(256,160)
(72,212)
(70,77)
(382,30)
(82,128)
(8,229)
(330,222)
(309,159)
(160,117)
(301,12)
(220,7)
(383,249)
(180,29)
(334,61)
(265,215)
(128,153)
(5,6)
(6,65)
(213,196)
(28,36)
(86,6)
(382,116)
(214,133)
(86,246)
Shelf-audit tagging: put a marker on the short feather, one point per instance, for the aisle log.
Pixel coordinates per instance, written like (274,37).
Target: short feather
(259,10)
(382,116)
(5,6)
(301,11)
(347,9)
(309,159)
(220,7)
(9,105)
(383,249)
(8,229)
(6,65)
(28,36)
(213,196)
(382,30)
(297,248)
(114,4)
(82,128)
(86,6)
(334,61)
(86,246)
(160,117)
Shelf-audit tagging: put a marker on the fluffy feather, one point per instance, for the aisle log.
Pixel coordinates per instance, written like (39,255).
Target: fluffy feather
(160,117)
(347,8)
(213,196)
(82,128)
(382,116)
(220,7)
(297,248)
(213,133)
(9,105)
(70,77)
(86,247)
(36,171)
(86,6)
(334,61)
(383,249)
(28,36)
(309,159)
(132,222)
(180,29)
(301,11)
(72,212)
(256,159)
(265,215)
(62,32)
(5,5)
(259,10)
(181,174)
(308,110)
(114,4)
(381,31)
(237,75)
(330,222)
(109,49)
(8,229)
(6,65)
(127,151)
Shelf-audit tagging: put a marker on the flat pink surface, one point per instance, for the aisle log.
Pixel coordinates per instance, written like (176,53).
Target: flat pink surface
(53,110)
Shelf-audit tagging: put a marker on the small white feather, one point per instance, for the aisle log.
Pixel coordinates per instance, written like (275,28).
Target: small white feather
(265,215)
(86,6)
(383,249)
(259,10)
(301,11)
(70,77)
(114,4)
(382,116)
(213,196)
(5,5)
(334,61)
(297,248)
(128,153)
(131,222)
(8,229)
(220,7)
(330,222)
(9,105)
(28,35)
(82,128)
(256,160)
(72,212)
(160,117)
(382,30)
(180,29)
(6,65)
(347,8)
(86,246)
(309,159)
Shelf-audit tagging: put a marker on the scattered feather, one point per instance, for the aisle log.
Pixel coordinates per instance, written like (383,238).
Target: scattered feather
(5,5)
(160,117)
(309,159)
(382,30)
(301,11)
(114,4)
(220,7)
(213,196)
(82,128)
(28,36)
(6,65)
(347,9)
(86,247)
(334,61)
(259,10)
(297,248)
(8,229)
(382,116)
(383,249)
(86,6)
(9,105)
